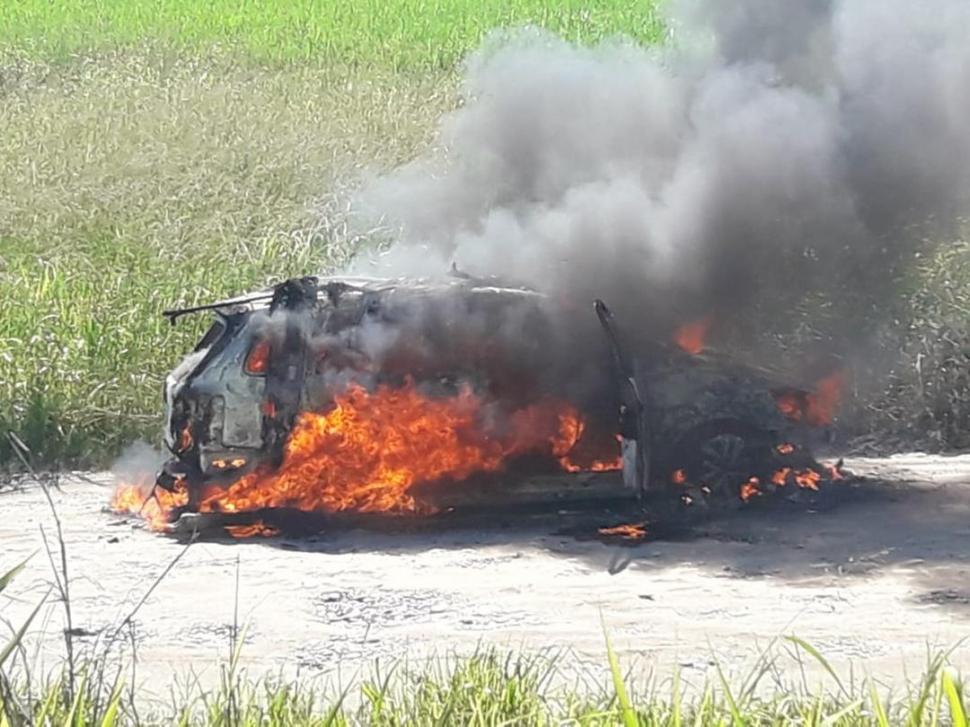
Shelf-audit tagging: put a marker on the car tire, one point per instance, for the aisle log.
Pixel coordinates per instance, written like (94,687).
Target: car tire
(718,458)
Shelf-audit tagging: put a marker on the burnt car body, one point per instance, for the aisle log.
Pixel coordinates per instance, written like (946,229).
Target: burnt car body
(270,355)
(701,425)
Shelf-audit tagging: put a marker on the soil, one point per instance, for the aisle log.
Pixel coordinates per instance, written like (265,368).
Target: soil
(872,581)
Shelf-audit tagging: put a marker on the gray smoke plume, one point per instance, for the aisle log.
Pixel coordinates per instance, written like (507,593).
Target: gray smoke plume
(773,154)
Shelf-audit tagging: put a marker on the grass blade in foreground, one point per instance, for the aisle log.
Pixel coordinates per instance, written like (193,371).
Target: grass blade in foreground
(19,635)
(7,577)
(815,654)
(957,712)
(732,703)
(484,690)
(627,713)
(877,706)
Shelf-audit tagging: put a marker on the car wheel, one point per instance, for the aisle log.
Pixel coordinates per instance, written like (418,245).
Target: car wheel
(719,458)
(724,462)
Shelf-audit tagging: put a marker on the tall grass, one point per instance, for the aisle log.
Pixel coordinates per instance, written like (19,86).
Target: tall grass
(492,689)
(927,399)
(129,183)
(388,33)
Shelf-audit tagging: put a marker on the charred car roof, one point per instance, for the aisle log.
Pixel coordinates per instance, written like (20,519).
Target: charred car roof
(328,287)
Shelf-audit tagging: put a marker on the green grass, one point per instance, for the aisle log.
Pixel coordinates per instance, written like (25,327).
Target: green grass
(389,33)
(491,689)
(130,183)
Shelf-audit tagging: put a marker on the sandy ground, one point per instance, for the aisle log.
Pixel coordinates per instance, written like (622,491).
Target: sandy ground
(872,583)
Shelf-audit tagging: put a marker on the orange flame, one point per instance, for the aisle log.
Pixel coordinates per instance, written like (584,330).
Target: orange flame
(679,477)
(690,336)
(597,465)
(791,404)
(154,508)
(631,531)
(823,404)
(257,360)
(818,408)
(750,488)
(780,478)
(369,450)
(185,438)
(224,464)
(258,528)
(808,479)
(785,448)
(571,429)
(570,432)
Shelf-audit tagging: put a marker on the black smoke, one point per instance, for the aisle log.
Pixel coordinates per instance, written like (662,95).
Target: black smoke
(770,158)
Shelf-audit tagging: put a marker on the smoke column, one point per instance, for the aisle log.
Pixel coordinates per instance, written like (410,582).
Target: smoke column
(770,154)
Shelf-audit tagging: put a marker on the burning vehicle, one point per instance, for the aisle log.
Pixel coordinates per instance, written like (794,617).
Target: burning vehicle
(353,395)
(709,430)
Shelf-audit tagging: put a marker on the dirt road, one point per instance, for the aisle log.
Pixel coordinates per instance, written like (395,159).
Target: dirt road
(873,583)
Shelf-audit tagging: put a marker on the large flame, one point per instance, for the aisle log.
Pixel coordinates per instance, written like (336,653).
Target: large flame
(564,443)
(367,452)
(154,506)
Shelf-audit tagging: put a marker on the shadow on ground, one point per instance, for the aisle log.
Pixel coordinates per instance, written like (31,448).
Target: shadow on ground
(859,531)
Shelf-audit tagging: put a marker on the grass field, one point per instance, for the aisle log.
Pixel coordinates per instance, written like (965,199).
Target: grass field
(165,153)
(501,690)
(129,184)
(396,34)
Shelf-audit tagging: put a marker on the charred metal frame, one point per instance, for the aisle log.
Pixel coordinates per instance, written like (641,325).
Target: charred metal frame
(222,422)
